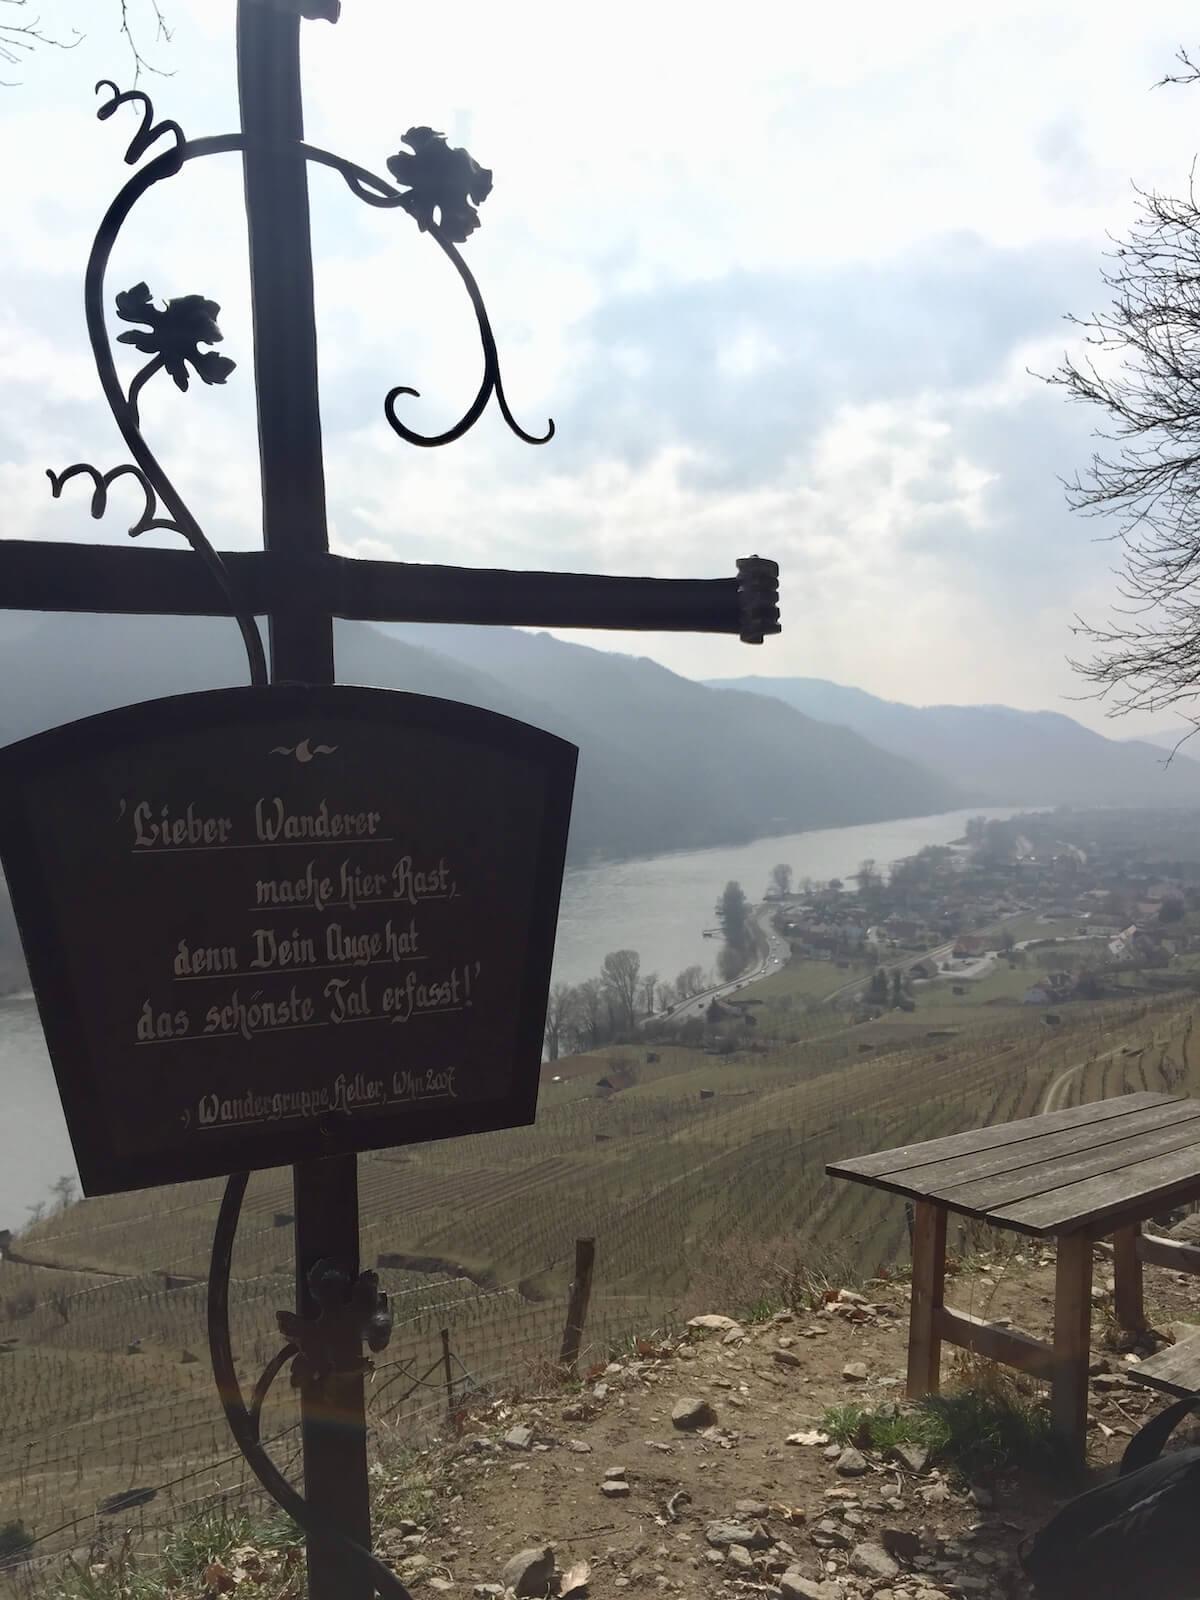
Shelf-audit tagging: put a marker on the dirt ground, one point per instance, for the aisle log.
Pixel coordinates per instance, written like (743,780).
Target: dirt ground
(604,1475)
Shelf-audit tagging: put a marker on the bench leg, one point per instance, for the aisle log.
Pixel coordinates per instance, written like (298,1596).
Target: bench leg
(1072,1340)
(928,1293)
(1127,1276)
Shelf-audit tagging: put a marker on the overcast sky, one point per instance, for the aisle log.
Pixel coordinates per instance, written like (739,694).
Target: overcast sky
(777,272)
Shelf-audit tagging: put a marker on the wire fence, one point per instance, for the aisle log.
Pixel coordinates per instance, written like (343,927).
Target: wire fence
(416,1396)
(108,1421)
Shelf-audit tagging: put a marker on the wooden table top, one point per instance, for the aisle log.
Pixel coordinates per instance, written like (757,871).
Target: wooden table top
(1115,1161)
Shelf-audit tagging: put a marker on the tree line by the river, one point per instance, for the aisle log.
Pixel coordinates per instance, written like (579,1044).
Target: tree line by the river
(610,1006)
(584,1016)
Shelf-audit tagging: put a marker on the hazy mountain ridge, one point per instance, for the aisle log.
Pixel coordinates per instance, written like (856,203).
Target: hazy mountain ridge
(1182,738)
(998,754)
(666,763)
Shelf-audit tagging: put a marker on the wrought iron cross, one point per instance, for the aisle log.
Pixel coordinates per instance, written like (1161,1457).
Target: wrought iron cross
(301,588)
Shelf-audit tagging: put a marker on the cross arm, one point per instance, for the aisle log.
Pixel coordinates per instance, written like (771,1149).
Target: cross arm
(41,576)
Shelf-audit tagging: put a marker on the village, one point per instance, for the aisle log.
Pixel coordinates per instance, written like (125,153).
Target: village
(1060,904)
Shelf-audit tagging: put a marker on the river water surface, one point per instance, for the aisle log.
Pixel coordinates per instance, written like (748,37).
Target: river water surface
(659,906)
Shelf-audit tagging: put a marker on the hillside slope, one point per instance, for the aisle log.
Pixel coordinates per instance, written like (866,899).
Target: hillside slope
(666,763)
(996,753)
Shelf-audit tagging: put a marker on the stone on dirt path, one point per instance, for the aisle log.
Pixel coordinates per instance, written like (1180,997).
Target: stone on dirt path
(873,1561)
(691,1413)
(794,1585)
(739,1559)
(723,1534)
(912,1457)
(901,1543)
(530,1572)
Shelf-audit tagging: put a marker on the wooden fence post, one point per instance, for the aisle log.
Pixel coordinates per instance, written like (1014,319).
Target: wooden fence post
(449,1371)
(577,1305)
(928,1288)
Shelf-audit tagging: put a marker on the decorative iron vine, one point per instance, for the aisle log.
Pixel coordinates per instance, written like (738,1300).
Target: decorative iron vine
(360,1303)
(440,187)
(449,182)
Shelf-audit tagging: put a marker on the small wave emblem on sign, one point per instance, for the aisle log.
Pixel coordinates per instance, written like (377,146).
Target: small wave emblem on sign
(305,751)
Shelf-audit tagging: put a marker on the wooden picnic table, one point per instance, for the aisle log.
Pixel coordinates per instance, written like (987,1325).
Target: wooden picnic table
(1075,1176)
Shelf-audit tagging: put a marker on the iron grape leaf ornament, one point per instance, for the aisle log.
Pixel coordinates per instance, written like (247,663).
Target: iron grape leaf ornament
(348,1313)
(174,334)
(442,178)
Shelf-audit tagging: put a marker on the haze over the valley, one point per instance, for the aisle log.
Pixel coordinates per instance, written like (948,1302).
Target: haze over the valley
(770,326)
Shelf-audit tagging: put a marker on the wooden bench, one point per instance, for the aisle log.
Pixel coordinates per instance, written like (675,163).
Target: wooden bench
(1086,1173)
(1175,1370)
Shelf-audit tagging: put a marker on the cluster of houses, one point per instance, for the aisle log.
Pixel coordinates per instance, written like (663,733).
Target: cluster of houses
(1133,914)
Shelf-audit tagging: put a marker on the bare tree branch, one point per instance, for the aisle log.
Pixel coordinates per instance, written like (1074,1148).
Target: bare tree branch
(162,35)
(18,40)
(1140,365)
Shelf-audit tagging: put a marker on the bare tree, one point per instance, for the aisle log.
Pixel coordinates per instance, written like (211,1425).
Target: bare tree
(590,1023)
(649,992)
(781,880)
(22,32)
(1141,368)
(689,982)
(63,1190)
(562,1010)
(620,978)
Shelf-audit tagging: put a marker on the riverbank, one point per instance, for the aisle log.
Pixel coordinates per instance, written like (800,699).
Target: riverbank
(658,906)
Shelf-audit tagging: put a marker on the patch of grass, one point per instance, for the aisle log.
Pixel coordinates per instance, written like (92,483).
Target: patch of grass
(753,1278)
(215,1534)
(402,1481)
(879,1428)
(261,1554)
(807,979)
(972,1430)
(761,1310)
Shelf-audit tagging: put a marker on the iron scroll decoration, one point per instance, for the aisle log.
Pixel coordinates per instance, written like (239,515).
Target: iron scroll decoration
(440,188)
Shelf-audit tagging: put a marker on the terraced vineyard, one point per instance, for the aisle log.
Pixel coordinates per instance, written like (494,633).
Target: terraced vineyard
(104,1382)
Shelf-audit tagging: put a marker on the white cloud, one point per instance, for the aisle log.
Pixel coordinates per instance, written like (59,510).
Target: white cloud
(703,256)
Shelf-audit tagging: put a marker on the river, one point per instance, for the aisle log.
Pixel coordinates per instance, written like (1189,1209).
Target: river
(659,906)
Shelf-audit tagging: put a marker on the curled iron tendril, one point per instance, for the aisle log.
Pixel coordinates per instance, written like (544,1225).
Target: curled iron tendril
(102,482)
(156,486)
(376,191)
(149,131)
(245,1420)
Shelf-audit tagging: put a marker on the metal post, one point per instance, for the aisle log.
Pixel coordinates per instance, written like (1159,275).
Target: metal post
(285,336)
(577,1304)
(333,1421)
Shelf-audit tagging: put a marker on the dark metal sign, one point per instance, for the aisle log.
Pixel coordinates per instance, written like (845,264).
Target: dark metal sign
(267,925)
